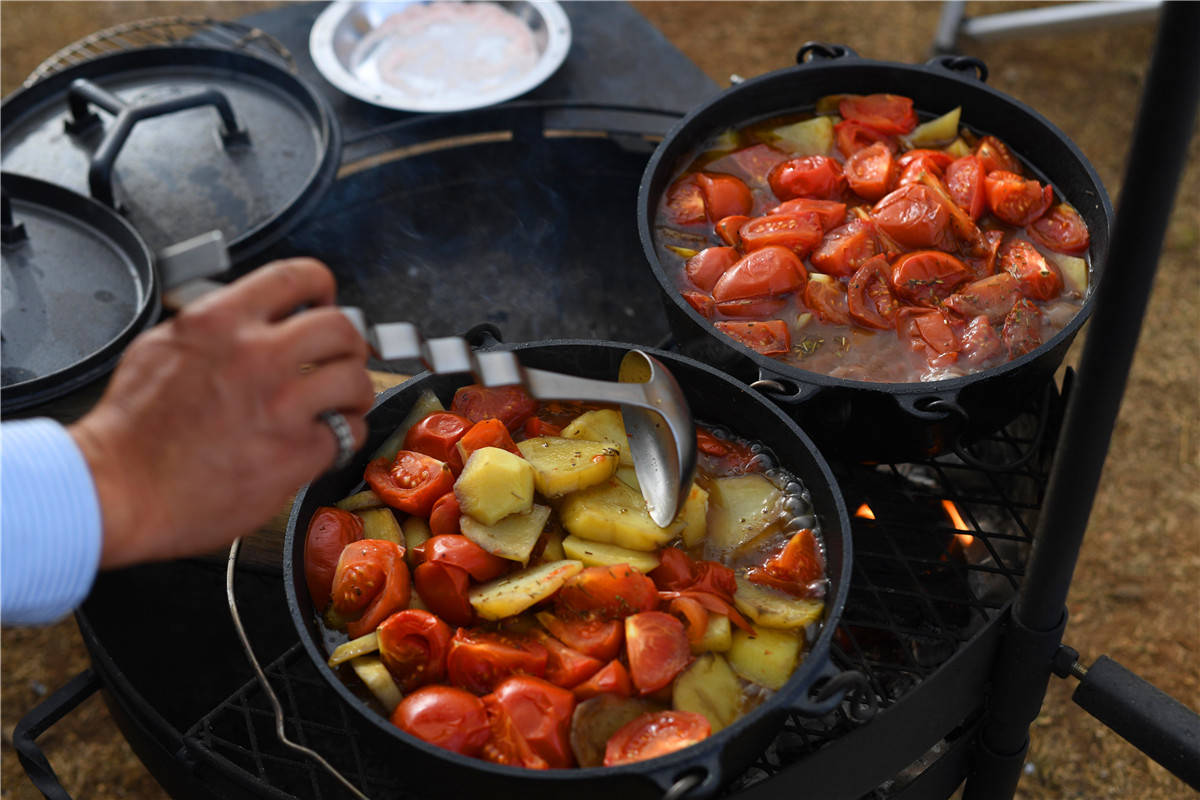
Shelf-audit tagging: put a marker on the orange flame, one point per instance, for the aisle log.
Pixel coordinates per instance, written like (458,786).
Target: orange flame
(865,512)
(956,519)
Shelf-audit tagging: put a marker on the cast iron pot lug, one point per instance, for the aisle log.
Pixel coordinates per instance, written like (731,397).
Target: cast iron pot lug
(784,390)
(932,407)
(823,51)
(484,336)
(834,686)
(961,64)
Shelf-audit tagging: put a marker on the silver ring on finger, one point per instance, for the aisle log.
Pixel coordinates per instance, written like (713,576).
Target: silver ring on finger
(344,436)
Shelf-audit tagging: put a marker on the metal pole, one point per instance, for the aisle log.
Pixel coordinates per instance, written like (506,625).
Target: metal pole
(1158,152)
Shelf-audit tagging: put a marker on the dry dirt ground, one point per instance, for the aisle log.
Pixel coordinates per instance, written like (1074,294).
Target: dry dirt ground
(1136,593)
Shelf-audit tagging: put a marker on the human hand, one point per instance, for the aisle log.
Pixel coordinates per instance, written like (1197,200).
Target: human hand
(210,421)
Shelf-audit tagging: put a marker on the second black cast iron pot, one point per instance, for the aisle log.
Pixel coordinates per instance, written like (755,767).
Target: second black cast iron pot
(861,419)
(714,398)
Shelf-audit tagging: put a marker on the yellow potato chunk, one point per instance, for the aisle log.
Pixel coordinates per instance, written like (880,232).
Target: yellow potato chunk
(512,594)
(374,674)
(494,484)
(380,523)
(741,508)
(775,609)
(810,137)
(767,657)
(612,512)
(695,516)
(513,537)
(711,688)
(416,533)
(937,131)
(553,551)
(718,636)
(359,501)
(628,476)
(599,554)
(603,425)
(561,465)
(354,648)
(1074,272)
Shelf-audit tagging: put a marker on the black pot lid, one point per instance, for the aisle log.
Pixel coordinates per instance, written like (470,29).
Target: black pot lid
(237,144)
(78,284)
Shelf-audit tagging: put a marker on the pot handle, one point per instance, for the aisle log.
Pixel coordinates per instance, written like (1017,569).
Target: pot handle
(484,336)
(84,93)
(812,51)
(961,64)
(835,685)
(698,782)
(38,720)
(932,407)
(783,390)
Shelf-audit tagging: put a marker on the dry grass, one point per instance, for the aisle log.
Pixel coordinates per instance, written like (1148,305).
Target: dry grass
(1136,594)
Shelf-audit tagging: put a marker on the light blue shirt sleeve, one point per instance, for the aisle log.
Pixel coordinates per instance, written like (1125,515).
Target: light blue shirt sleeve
(50,523)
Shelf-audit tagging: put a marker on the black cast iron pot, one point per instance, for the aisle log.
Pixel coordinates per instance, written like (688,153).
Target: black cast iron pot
(861,419)
(714,398)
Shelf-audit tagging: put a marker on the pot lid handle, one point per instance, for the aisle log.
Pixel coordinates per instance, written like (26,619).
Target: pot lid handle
(812,51)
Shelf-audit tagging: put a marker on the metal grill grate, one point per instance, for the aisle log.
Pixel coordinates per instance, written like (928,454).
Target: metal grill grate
(919,593)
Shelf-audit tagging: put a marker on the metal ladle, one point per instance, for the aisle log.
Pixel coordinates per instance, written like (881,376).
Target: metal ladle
(662,438)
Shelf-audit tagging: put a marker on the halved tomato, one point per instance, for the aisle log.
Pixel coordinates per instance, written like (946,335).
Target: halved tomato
(609,592)
(1060,229)
(446,514)
(466,555)
(479,660)
(436,434)
(810,176)
(756,309)
(915,162)
(506,744)
(851,136)
(846,248)
(1022,332)
(980,342)
(703,304)
(871,171)
(926,277)
(413,646)
(796,232)
(829,213)
(724,195)
(995,155)
(443,588)
(657,647)
(655,734)
(489,432)
(685,202)
(796,569)
(598,638)
(512,405)
(412,482)
(869,296)
(1015,200)
(371,578)
(567,667)
(915,217)
(766,272)
(542,712)
(1036,277)
(886,113)
(727,228)
(964,182)
(613,678)
(755,162)
(770,337)
(444,716)
(828,299)
(329,531)
(993,297)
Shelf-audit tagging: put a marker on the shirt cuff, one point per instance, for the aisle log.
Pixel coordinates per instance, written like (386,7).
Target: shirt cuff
(50,523)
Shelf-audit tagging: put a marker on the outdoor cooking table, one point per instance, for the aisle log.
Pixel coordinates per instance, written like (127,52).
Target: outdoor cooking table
(929,598)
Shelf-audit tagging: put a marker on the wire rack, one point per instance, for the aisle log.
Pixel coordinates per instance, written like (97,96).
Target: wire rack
(926,582)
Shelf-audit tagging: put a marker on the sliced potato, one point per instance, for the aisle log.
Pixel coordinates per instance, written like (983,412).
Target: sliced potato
(614,513)
(416,533)
(512,537)
(942,130)
(695,516)
(553,551)
(512,594)
(601,425)
(1074,271)
(374,674)
(354,648)
(718,636)
(360,500)
(426,403)
(810,137)
(709,687)
(595,721)
(494,483)
(830,102)
(380,523)
(767,657)
(682,252)
(415,601)
(740,508)
(774,609)
(600,554)
(561,465)
(958,148)
(628,476)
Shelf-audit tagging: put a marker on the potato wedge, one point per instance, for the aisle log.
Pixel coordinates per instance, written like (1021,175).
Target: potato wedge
(603,425)
(494,483)
(740,508)
(810,137)
(512,537)
(957,149)
(936,131)
(512,594)
(354,648)
(600,554)
(360,500)
(709,687)
(426,403)
(416,533)
(1073,269)
(614,513)
(767,657)
(380,523)
(628,476)
(774,609)
(374,674)
(718,636)
(561,465)
(695,516)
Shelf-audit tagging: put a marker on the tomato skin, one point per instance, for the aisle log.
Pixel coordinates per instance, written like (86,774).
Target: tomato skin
(658,649)
(411,483)
(536,426)
(1015,200)
(992,297)
(869,296)
(445,515)
(612,678)
(371,577)
(609,592)
(706,267)
(757,308)
(598,638)
(466,555)
(329,531)
(685,202)
(846,248)
(567,667)
(915,218)
(444,716)
(818,177)
(724,195)
(703,304)
(654,734)
(851,136)
(871,172)
(795,569)
(506,744)
(827,299)
(674,570)
(479,661)
(486,433)
(886,113)
(1060,229)
(413,646)
(767,272)
(1022,332)
(443,587)
(512,405)
(797,232)
(1036,277)
(996,156)
(829,213)
(929,331)
(436,435)
(542,712)
(770,337)
(926,277)
(727,228)
(964,183)
(980,342)
(915,163)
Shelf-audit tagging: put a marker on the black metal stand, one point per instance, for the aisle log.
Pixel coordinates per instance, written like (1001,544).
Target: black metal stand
(1158,151)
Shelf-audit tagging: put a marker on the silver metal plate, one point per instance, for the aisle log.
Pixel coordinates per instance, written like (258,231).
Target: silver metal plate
(439,55)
